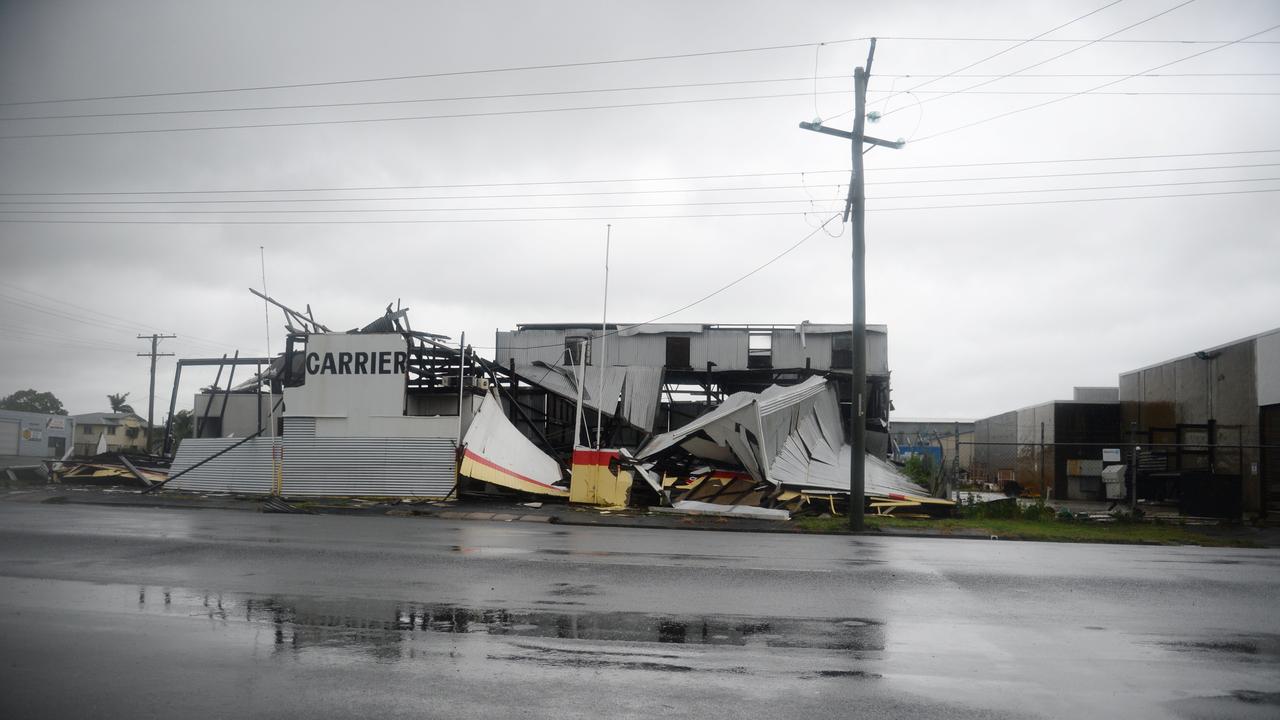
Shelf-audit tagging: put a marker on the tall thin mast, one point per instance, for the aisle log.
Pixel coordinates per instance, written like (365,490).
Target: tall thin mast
(604,338)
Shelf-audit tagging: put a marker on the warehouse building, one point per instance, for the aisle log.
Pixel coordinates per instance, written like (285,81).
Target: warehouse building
(27,438)
(1054,449)
(1204,416)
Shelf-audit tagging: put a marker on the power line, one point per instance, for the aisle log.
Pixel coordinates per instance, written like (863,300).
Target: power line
(508,208)
(599,193)
(588,63)
(455,73)
(446,116)
(1093,173)
(10,331)
(124,324)
(704,298)
(843,171)
(1007,50)
(1077,75)
(1099,87)
(458,98)
(1059,55)
(402,210)
(1080,200)
(1189,93)
(129,324)
(1074,189)
(599,218)
(370,103)
(1132,41)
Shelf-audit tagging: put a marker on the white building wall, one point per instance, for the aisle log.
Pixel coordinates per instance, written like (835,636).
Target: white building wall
(789,353)
(242,416)
(726,347)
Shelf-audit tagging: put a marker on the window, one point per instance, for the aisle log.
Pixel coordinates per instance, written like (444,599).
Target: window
(678,352)
(842,350)
(573,345)
(760,349)
(111,430)
(131,432)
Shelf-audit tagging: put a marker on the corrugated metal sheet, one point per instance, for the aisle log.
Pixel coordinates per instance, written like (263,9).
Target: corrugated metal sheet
(246,469)
(299,427)
(326,466)
(376,467)
(726,348)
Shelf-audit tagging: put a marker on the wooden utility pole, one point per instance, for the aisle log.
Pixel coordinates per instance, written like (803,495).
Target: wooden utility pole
(855,209)
(151,394)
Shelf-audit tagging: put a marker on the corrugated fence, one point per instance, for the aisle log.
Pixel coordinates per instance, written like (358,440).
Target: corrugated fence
(322,466)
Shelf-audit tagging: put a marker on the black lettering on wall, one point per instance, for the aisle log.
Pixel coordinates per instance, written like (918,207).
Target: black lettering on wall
(362,363)
(401,363)
(327,367)
(313,363)
(344,363)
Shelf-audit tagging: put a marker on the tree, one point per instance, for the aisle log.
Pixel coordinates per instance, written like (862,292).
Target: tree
(32,401)
(118,404)
(183,424)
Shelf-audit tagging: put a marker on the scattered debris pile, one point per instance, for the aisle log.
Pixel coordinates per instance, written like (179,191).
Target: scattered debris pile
(112,469)
(495,453)
(782,448)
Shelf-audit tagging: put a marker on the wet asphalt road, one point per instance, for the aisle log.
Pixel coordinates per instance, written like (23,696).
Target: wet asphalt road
(132,612)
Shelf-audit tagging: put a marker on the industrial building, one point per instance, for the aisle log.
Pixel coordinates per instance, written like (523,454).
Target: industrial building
(1054,449)
(27,438)
(1211,424)
(686,369)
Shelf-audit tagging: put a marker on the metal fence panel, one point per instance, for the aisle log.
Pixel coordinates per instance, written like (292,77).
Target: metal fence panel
(246,469)
(371,467)
(322,466)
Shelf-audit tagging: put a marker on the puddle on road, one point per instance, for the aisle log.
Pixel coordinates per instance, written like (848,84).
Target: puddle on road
(1261,645)
(379,625)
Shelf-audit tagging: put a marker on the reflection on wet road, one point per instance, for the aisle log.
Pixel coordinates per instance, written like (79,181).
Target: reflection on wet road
(153,613)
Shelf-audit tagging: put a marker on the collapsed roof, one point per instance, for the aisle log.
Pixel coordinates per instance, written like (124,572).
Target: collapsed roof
(785,436)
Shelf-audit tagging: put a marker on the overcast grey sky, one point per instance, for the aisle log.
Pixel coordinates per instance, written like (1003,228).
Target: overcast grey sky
(990,307)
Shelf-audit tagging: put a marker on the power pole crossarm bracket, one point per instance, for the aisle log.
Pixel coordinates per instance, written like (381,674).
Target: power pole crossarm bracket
(896,144)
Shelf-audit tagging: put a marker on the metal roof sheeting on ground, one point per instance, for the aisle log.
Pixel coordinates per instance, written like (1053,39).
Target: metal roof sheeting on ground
(787,436)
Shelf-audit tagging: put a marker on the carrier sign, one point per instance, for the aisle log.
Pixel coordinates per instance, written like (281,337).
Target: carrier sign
(357,363)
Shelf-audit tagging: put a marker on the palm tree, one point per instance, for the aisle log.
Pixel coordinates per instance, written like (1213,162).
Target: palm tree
(118,404)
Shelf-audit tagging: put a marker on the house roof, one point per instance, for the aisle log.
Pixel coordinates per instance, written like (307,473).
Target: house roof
(106,418)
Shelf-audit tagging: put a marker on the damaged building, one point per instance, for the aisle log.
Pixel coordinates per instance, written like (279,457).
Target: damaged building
(372,412)
(728,415)
(671,373)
